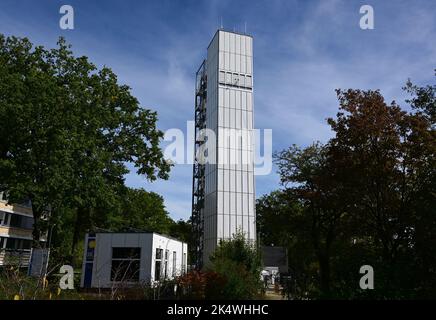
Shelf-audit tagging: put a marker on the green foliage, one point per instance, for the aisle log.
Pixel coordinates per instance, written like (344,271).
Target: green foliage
(71,129)
(238,261)
(69,132)
(182,230)
(141,210)
(365,197)
(282,221)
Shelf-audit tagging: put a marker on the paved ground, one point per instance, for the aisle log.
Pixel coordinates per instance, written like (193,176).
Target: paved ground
(273,294)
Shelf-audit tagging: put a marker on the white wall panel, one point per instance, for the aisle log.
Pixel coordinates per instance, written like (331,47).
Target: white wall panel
(117,240)
(237,44)
(226,226)
(250,204)
(243,64)
(245,223)
(246,198)
(232,99)
(243,51)
(221,41)
(220,222)
(239,182)
(232,203)
(248,46)
(239,222)
(226,202)
(226,97)
(226,61)
(250,183)
(239,202)
(221,97)
(244,119)
(238,99)
(232,62)
(249,120)
(226,181)
(232,118)
(226,117)
(238,119)
(232,225)
(249,65)
(252,222)
(221,119)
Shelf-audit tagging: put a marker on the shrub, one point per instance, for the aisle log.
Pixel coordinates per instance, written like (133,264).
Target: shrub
(238,261)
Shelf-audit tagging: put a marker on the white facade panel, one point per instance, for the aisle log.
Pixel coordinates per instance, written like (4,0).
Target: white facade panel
(237,44)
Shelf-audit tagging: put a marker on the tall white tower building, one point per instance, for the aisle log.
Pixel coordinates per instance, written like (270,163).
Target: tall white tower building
(223,178)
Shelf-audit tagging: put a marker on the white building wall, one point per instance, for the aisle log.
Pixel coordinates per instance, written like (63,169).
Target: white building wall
(176,249)
(230,196)
(148,242)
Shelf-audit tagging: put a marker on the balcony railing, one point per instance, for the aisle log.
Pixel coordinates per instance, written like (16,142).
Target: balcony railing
(19,258)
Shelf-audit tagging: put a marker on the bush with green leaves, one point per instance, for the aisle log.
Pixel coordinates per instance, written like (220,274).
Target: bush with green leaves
(238,261)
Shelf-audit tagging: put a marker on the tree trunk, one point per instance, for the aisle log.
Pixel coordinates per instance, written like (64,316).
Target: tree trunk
(324,269)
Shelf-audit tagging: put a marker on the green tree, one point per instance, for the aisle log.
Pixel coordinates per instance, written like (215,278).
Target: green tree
(282,221)
(385,155)
(182,230)
(70,133)
(308,175)
(367,196)
(238,261)
(142,210)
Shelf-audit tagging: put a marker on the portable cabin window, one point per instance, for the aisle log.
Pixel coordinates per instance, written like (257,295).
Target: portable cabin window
(125,264)
(174,263)
(184,263)
(158,264)
(166,264)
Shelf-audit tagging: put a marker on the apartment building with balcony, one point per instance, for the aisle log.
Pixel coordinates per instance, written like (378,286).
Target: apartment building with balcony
(16,225)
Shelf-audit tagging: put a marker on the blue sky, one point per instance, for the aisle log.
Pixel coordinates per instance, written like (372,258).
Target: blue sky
(303,50)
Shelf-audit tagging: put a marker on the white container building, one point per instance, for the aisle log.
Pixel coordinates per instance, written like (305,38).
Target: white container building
(112,259)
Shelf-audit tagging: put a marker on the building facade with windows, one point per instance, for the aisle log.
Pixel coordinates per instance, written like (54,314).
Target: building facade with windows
(16,225)
(223,200)
(112,259)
